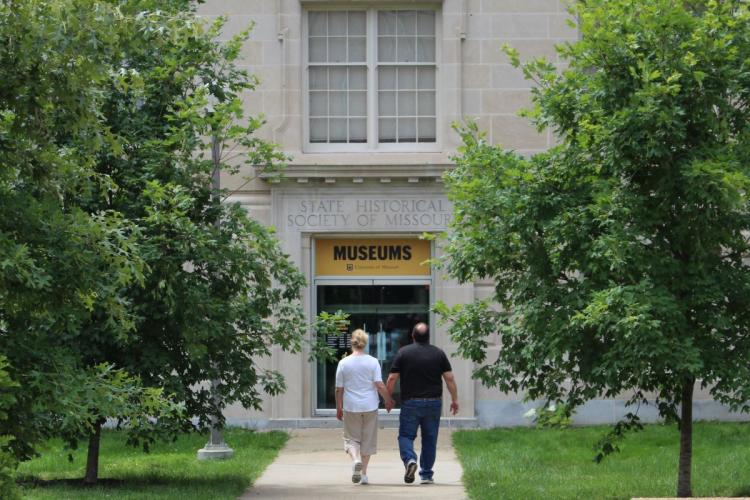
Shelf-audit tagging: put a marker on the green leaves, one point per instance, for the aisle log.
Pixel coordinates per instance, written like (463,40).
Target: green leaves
(88,395)
(124,283)
(618,256)
(608,444)
(7,462)
(218,293)
(326,325)
(470,326)
(60,263)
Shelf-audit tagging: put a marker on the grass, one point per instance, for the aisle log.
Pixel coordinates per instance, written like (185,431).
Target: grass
(530,463)
(170,470)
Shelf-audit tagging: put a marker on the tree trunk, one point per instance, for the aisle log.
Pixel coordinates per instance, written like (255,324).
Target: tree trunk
(684,482)
(92,461)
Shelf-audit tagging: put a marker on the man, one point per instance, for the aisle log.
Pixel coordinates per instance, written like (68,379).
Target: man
(421,366)
(358,382)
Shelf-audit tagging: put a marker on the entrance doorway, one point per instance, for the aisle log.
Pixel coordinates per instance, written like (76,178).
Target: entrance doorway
(386,309)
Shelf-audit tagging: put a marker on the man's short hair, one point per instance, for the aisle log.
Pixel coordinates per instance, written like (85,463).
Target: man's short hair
(421,333)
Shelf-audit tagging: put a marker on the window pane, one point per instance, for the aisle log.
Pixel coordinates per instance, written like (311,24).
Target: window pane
(337,101)
(357,103)
(386,23)
(425,23)
(425,49)
(337,78)
(407,78)
(386,49)
(386,78)
(386,103)
(357,52)
(317,49)
(318,78)
(406,49)
(357,23)
(426,104)
(338,130)
(337,49)
(317,23)
(426,78)
(357,79)
(319,130)
(407,23)
(407,130)
(337,24)
(319,103)
(387,129)
(407,104)
(426,129)
(358,130)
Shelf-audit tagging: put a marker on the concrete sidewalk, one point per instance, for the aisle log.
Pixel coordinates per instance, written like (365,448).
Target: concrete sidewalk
(313,465)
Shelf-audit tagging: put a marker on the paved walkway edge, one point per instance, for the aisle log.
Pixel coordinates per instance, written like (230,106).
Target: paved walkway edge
(313,465)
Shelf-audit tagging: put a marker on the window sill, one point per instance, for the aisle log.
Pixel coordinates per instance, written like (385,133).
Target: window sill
(361,166)
(380,159)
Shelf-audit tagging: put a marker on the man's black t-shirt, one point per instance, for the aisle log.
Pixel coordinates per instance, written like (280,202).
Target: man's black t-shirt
(420,368)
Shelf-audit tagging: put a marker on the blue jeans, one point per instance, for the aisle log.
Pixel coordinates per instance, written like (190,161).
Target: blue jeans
(424,414)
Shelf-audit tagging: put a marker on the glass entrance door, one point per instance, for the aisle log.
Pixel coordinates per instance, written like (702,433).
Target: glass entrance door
(386,312)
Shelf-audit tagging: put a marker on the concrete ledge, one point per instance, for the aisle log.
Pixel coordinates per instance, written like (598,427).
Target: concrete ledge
(595,412)
(387,422)
(322,168)
(510,413)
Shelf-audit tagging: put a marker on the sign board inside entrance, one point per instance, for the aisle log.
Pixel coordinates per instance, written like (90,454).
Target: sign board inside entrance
(371,257)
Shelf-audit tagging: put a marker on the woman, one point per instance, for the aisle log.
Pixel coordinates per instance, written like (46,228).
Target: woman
(358,382)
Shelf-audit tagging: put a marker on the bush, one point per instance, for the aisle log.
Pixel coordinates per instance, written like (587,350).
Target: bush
(8,463)
(8,466)
(552,416)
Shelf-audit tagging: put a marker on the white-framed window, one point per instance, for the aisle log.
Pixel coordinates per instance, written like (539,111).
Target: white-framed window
(371,79)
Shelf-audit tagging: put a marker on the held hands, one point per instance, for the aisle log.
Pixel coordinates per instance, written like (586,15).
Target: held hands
(454,407)
(389,404)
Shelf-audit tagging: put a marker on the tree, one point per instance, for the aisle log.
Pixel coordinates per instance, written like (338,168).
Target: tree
(7,461)
(58,262)
(218,293)
(121,295)
(617,255)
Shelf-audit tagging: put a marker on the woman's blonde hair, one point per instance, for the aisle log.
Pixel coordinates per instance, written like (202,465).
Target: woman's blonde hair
(359,339)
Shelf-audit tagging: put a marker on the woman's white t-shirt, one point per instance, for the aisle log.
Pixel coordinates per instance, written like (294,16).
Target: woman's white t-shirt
(357,374)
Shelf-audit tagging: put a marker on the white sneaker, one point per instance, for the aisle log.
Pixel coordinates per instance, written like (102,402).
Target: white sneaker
(428,480)
(364,479)
(357,471)
(411,468)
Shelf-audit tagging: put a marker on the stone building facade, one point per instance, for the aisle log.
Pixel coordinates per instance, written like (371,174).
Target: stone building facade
(362,96)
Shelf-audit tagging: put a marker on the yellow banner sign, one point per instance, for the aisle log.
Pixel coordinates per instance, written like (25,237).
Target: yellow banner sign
(367,257)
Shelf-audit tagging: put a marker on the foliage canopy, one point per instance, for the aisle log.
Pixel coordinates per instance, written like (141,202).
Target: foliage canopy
(125,282)
(618,255)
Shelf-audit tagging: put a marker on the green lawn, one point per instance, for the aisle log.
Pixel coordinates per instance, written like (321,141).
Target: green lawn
(530,463)
(168,471)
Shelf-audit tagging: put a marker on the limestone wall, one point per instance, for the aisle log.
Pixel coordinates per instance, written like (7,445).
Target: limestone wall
(474,81)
